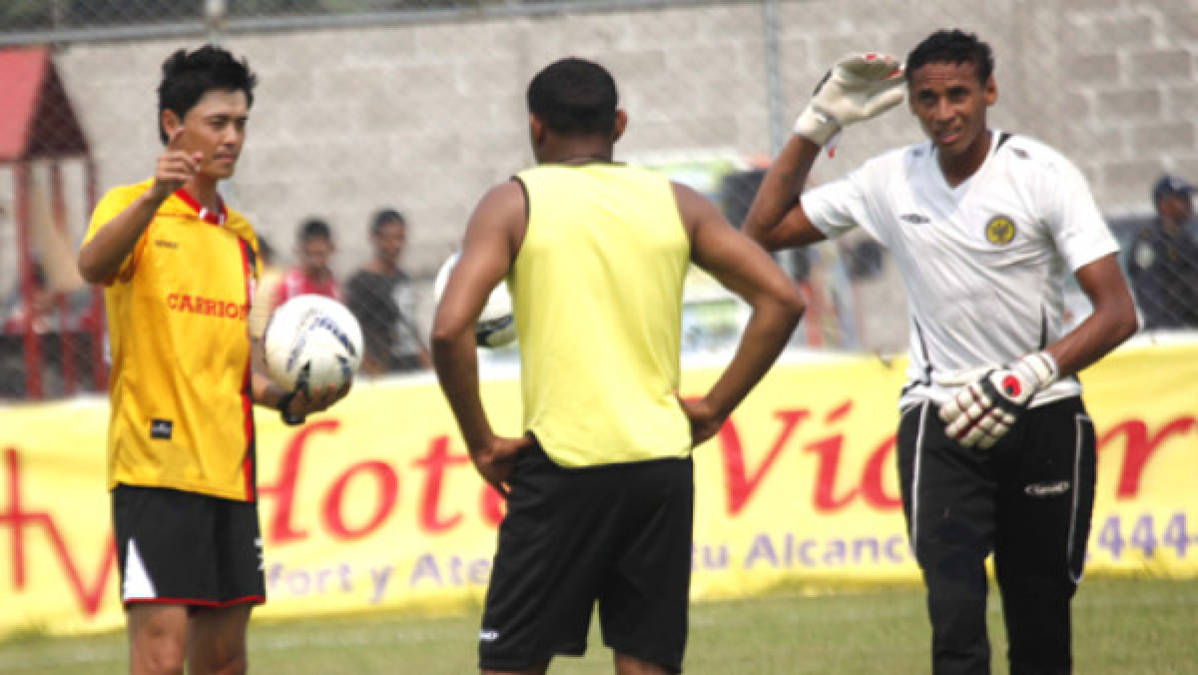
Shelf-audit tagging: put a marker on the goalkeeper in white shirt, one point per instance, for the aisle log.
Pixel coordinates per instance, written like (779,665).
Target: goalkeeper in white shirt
(996,452)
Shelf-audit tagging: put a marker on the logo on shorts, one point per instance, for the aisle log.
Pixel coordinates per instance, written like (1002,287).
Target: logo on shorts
(488,635)
(1047,489)
(161,429)
(1000,230)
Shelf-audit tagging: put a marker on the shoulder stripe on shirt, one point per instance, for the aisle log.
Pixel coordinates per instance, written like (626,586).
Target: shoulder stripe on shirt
(247,389)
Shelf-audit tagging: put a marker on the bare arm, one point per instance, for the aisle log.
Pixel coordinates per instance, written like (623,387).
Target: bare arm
(1112,322)
(858,87)
(265,391)
(100,258)
(981,412)
(492,239)
(747,270)
(776,218)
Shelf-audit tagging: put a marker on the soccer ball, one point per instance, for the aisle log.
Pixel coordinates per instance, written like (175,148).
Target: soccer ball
(312,341)
(496,326)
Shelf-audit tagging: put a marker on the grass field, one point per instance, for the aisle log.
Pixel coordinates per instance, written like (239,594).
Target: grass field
(1121,626)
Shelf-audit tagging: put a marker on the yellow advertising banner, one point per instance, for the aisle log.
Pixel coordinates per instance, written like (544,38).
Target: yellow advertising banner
(376,505)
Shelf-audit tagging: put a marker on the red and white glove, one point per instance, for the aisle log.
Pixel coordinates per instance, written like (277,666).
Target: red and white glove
(981,412)
(858,87)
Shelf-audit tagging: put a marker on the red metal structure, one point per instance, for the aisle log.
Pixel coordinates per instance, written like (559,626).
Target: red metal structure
(37,123)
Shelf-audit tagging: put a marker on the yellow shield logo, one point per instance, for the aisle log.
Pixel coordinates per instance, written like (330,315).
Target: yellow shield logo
(1000,230)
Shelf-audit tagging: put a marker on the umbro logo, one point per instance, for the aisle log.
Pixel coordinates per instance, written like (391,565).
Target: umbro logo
(488,635)
(166,244)
(161,429)
(915,218)
(1046,489)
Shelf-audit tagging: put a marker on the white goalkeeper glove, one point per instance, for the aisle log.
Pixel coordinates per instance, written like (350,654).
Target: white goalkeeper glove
(982,411)
(858,87)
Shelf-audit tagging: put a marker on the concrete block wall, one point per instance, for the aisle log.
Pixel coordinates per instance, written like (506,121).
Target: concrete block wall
(424,118)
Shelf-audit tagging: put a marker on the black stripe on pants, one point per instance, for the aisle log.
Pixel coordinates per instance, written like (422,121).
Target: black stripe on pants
(1028,499)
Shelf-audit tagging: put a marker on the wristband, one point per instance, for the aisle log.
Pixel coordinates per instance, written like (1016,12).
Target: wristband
(284,410)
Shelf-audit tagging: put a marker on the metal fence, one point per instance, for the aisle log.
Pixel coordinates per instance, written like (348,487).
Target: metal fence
(417,105)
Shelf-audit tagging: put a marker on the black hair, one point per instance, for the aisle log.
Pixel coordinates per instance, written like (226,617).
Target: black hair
(952,46)
(384,218)
(186,77)
(574,97)
(315,228)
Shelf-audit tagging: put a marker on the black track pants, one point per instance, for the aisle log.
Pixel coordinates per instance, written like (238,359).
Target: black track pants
(1028,499)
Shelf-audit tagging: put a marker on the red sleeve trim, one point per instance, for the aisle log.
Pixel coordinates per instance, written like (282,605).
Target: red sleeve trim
(247,394)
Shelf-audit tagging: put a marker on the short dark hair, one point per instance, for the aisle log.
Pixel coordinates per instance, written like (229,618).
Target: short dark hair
(186,77)
(575,97)
(952,46)
(315,228)
(384,218)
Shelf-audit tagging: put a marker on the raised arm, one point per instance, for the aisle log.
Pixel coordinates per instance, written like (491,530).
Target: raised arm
(747,270)
(857,88)
(101,257)
(776,218)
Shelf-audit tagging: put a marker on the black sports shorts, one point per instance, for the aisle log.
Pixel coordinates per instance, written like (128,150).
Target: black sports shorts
(616,534)
(183,548)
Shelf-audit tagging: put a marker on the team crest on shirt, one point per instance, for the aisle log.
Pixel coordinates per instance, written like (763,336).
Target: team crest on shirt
(1000,230)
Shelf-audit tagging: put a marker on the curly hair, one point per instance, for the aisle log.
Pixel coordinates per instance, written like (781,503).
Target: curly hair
(952,46)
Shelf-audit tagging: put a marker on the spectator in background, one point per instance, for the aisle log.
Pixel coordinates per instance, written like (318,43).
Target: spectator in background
(39,314)
(313,274)
(1163,264)
(380,295)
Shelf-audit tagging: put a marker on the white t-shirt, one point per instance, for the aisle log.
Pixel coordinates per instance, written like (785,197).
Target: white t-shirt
(983,263)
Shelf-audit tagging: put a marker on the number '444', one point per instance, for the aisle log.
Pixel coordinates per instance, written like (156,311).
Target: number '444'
(1176,535)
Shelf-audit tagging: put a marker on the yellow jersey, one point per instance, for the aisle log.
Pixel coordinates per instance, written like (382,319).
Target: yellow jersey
(597,297)
(177,309)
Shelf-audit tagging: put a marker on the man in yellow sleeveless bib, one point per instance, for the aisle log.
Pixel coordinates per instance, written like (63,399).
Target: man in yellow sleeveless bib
(600,488)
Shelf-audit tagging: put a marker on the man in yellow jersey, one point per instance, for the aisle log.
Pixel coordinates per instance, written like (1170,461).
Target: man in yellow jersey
(600,487)
(179,269)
